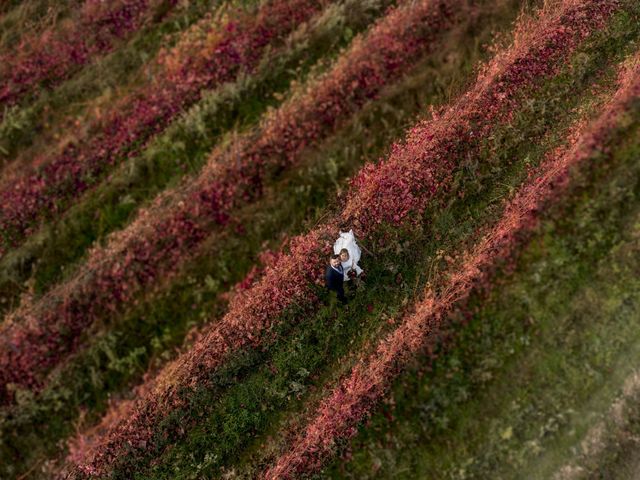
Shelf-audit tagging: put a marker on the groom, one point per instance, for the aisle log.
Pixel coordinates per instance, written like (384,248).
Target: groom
(334,277)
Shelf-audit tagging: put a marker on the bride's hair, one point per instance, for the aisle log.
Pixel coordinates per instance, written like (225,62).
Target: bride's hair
(344,250)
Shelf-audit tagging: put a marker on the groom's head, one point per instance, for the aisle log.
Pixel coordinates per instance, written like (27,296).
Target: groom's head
(334,260)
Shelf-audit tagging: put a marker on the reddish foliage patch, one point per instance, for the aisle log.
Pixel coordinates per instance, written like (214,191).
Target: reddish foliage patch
(54,54)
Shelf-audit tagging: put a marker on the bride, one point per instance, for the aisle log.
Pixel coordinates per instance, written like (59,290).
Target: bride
(349,252)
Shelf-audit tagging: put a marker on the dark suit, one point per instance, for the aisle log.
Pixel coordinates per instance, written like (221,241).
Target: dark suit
(334,279)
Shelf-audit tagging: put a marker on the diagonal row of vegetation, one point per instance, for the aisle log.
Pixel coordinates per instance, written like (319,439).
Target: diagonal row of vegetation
(355,396)
(61,115)
(163,235)
(51,56)
(149,332)
(181,150)
(194,368)
(518,389)
(222,53)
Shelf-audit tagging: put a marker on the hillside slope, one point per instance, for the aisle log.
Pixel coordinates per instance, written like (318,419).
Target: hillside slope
(174,177)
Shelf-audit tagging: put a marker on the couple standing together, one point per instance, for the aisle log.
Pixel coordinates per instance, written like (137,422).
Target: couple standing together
(343,264)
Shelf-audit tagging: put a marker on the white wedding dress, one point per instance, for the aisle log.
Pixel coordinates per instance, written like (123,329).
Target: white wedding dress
(348,240)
